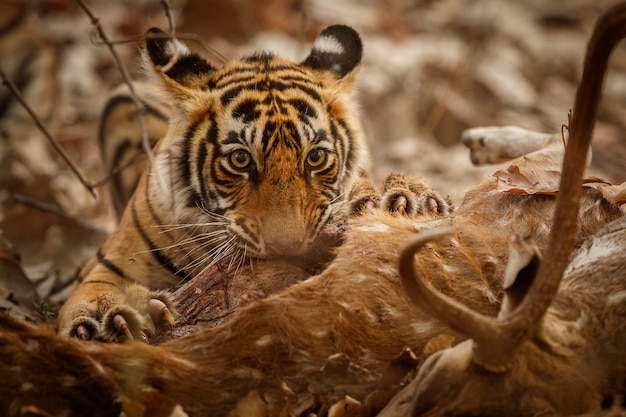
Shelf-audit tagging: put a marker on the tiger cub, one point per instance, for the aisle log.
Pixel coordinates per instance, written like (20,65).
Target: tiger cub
(258,157)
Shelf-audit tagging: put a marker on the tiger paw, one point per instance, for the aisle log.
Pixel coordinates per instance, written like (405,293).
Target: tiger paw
(410,196)
(134,313)
(363,197)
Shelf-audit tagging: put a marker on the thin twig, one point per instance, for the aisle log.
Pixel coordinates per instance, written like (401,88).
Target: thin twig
(16,93)
(168,14)
(141,109)
(119,168)
(40,205)
(179,35)
(172,35)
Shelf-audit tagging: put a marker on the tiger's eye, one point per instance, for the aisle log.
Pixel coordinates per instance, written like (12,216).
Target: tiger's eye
(316,158)
(240,159)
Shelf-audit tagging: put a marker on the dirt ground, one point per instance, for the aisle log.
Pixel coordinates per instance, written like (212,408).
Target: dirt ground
(431,69)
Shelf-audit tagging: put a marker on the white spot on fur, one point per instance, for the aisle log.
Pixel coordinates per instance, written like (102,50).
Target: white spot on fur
(391,311)
(493,299)
(600,248)
(617,298)
(247,133)
(347,307)
(321,334)
(173,47)
(67,380)
(31,346)
(99,368)
(375,227)
(386,271)
(422,327)
(26,386)
(264,340)
(449,268)
(328,44)
(358,277)
(248,373)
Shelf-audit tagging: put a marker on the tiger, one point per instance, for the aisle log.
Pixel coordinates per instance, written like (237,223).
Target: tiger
(259,155)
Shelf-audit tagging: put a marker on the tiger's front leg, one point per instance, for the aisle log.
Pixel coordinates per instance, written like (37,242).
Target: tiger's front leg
(120,294)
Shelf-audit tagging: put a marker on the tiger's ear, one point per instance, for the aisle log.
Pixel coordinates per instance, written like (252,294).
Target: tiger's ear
(337,50)
(172,62)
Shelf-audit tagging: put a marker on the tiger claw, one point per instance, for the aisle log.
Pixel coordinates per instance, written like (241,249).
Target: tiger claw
(82,332)
(399,205)
(159,310)
(121,325)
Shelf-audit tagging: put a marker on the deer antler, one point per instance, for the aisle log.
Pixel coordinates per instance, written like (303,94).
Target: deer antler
(495,340)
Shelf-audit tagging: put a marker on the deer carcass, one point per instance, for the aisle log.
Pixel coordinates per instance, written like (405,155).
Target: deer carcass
(558,345)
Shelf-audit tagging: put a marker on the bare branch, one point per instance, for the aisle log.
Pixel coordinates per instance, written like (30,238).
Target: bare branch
(119,168)
(168,14)
(40,205)
(141,109)
(172,35)
(16,93)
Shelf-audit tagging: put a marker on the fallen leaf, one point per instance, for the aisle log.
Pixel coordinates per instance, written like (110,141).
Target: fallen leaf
(614,193)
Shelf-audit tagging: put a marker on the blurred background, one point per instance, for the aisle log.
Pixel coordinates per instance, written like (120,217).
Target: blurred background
(431,69)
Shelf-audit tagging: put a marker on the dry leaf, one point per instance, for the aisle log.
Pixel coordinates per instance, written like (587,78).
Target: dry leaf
(614,193)
(535,176)
(528,181)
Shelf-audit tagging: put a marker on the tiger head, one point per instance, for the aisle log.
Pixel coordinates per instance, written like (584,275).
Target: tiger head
(263,148)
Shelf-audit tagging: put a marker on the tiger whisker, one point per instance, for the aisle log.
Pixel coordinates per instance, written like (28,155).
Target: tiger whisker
(209,243)
(209,238)
(208,212)
(194,239)
(217,254)
(172,227)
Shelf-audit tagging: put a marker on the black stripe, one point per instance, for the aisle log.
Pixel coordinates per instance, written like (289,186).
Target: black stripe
(123,147)
(305,88)
(184,162)
(292,139)
(159,256)
(230,94)
(110,265)
(338,142)
(153,213)
(241,79)
(226,77)
(247,110)
(211,140)
(303,107)
(241,222)
(326,171)
(268,131)
(123,98)
(345,142)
